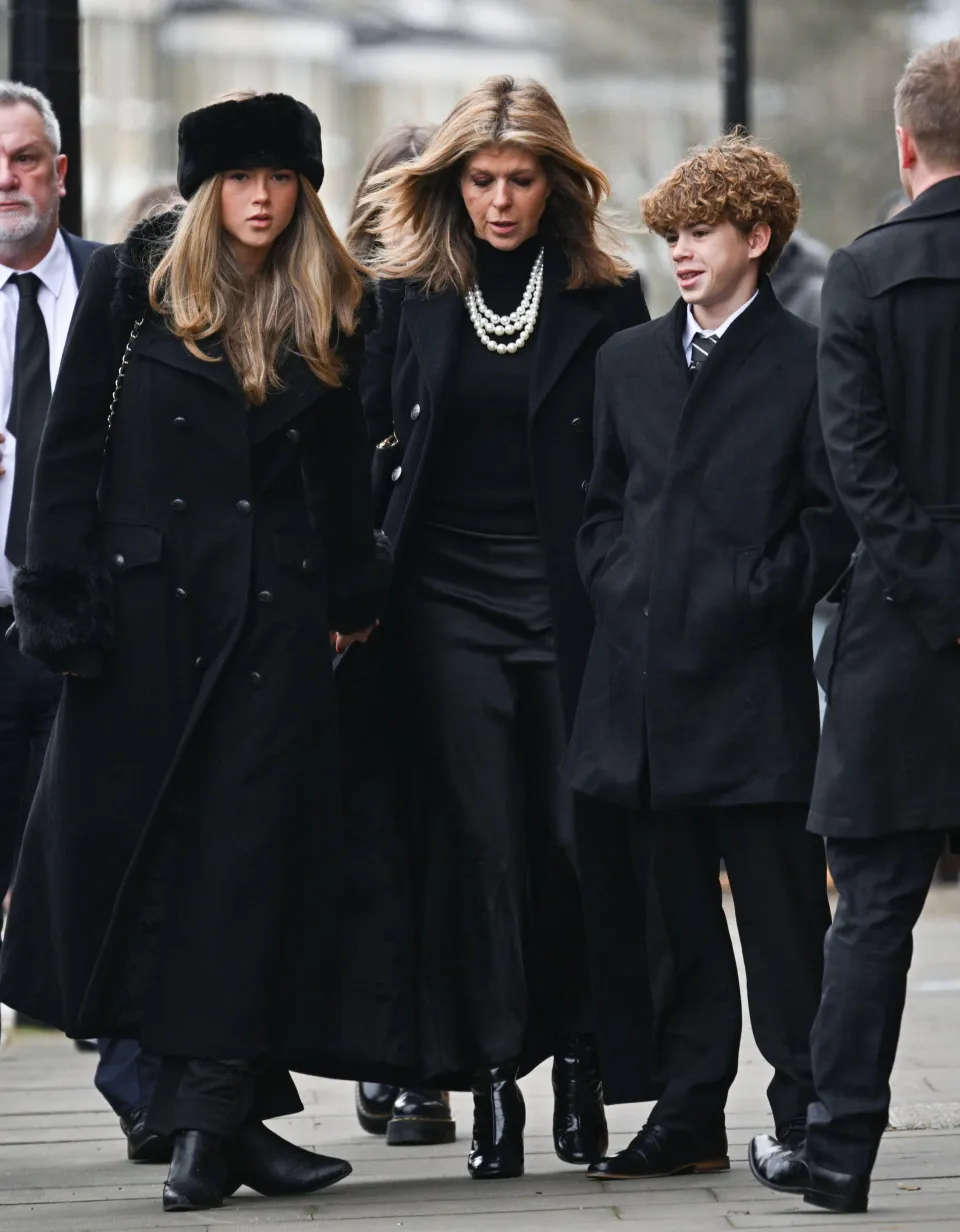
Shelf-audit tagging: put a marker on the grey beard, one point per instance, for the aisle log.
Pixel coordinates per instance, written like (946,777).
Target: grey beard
(22,230)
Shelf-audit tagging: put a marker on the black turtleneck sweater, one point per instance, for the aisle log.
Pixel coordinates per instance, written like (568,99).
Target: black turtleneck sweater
(480,479)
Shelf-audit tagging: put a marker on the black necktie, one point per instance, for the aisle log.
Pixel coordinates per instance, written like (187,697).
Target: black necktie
(28,409)
(700,350)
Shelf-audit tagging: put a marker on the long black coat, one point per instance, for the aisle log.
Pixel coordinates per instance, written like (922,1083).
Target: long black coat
(179,871)
(890,397)
(713,528)
(407,381)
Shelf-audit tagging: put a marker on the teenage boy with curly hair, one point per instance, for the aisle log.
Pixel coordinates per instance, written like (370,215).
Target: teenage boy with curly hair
(712,529)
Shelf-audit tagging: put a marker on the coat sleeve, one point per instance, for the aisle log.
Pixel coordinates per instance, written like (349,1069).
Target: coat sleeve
(919,568)
(63,597)
(603,509)
(807,558)
(336,472)
(376,377)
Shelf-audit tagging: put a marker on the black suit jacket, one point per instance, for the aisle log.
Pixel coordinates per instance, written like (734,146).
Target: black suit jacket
(712,529)
(890,385)
(80,252)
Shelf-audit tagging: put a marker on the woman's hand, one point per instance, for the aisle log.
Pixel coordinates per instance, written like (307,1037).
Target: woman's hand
(340,641)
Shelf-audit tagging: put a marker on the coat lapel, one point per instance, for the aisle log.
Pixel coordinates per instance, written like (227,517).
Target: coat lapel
(300,388)
(158,343)
(434,324)
(566,318)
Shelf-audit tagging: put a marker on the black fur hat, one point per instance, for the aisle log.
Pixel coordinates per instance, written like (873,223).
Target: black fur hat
(271,130)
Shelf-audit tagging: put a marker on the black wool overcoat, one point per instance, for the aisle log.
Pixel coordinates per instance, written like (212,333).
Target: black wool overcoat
(179,873)
(408,376)
(890,397)
(713,528)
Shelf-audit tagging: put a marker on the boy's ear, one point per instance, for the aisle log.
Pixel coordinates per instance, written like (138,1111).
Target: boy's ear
(758,240)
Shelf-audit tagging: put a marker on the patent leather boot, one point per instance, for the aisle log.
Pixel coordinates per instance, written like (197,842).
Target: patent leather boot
(375,1103)
(421,1117)
(579,1121)
(498,1120)
(197,1180)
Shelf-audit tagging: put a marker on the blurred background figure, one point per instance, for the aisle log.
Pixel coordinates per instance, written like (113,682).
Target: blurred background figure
(798,276)
(398,145)
(152,201)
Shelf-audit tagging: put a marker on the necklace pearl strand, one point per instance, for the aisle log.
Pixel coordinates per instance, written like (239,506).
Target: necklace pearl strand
(491,326)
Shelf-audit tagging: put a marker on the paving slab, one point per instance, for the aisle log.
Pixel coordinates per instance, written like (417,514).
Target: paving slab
(63,1166)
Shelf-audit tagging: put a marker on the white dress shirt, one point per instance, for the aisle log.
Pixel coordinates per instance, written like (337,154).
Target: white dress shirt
(692,328)
(57,297)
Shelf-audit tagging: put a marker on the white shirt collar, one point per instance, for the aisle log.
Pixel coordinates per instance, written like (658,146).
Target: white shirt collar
(692,328)
(51,269)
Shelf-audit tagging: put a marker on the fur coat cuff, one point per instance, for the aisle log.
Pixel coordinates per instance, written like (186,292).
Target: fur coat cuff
(357,598)
(64,616)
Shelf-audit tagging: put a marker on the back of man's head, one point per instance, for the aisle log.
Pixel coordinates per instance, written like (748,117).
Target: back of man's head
(927,104)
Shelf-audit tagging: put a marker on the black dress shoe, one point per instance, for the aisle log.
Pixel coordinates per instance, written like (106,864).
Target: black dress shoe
(144,1146)
(85,1045)
(787,1171)
(793,1134)
(421,1118)
(658,1151)
(197,1180)
(499,1116)
(276,1168)
(375,1106)
(579,1121)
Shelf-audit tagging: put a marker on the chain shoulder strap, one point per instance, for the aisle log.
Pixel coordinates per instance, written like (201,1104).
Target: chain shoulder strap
(118,383)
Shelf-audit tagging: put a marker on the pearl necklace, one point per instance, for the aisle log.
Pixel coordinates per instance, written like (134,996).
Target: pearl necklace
(491,326)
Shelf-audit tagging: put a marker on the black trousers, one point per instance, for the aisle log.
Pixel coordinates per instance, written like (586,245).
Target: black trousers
(882,885)
(218,1096)
(126,1076)
(29,696)
(777,875)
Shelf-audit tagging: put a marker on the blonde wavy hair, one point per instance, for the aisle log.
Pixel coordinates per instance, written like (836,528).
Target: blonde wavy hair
(424,225)
(307,295)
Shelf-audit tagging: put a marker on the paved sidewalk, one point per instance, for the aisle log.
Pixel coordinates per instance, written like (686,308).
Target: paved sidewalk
(62,1164)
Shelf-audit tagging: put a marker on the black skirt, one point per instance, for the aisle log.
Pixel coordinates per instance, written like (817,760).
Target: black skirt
(502,973)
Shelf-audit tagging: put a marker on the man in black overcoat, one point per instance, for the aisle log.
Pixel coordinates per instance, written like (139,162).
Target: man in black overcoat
(712,530)
(888,778)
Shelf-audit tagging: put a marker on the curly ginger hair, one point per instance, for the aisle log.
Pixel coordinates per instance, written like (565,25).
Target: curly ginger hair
(734,180)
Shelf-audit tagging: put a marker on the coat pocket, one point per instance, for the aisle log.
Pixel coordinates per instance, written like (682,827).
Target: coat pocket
(125,546)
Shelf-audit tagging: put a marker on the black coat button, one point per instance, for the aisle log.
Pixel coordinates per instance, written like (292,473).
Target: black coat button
(199,662)
(577,424)
(306,565)
(396,473)
(265,596)
(180,593)
(256,679)
(178,505)
(646,609)
(293,434)
(119,560)
(244,506)
(415,413)
(180,424)
(584,485)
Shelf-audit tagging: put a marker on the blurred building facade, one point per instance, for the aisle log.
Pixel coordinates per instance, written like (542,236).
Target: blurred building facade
(638,78)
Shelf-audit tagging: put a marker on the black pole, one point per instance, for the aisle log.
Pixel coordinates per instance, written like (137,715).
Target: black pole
(735,40)
(45,53)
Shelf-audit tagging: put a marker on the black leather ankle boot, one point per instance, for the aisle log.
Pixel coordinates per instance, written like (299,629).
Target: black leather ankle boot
(375,1103)
(276,1168)
(579,1121)
(197,1180)
(498,1120)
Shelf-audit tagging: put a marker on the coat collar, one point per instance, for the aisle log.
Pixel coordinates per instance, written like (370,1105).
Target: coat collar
(731,352)
(566,318)
(938,200)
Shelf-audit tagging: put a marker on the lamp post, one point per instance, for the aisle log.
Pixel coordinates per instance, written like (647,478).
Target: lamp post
(45,53)
(735,41)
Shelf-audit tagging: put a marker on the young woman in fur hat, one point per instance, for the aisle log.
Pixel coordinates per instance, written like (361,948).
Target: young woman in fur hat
(501,284)
(201,523)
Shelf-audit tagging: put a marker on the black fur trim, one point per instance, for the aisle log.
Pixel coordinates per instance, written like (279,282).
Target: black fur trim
(271,130)
(357,599)
(136,260)
(64,615)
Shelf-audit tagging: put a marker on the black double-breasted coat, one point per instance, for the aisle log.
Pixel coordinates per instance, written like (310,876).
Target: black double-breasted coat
(408,377)
(179,874)
(713,527)
(889,361)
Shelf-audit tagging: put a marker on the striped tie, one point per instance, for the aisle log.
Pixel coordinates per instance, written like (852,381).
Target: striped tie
(700,350)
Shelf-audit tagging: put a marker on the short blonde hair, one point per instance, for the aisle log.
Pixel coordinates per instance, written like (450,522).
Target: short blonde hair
(425,222)
(927,103)
(734,180)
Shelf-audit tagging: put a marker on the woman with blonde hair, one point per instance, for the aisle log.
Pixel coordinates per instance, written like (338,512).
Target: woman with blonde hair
(201,523)
(479,388)
(395,146)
